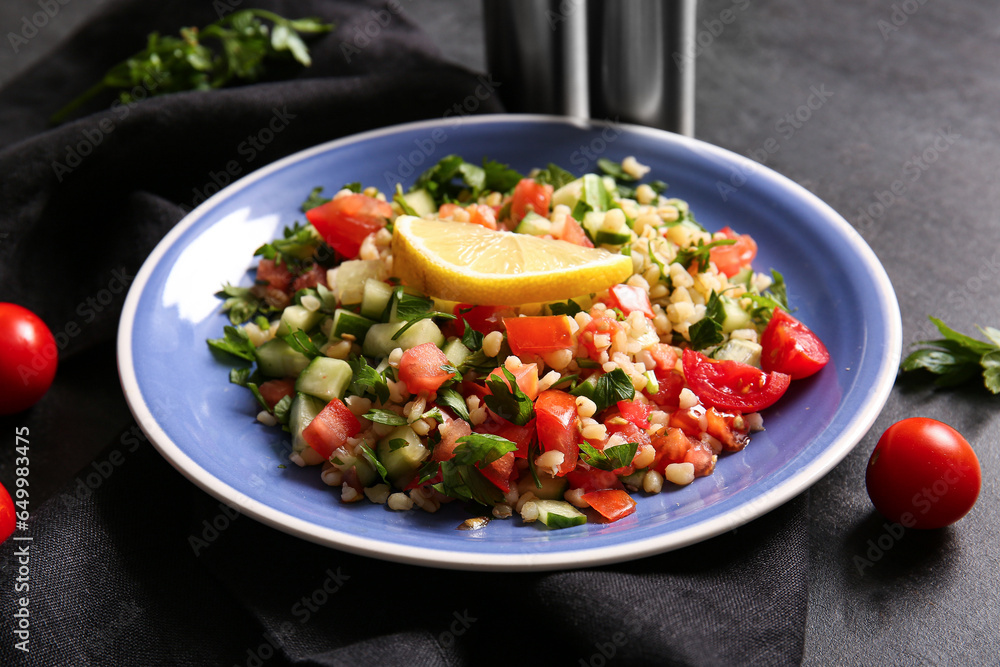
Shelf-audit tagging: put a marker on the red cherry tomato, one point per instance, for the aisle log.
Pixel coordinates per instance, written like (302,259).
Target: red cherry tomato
(346,221)
(8,518)
(791,348)
(530,195)
(731,385)
(28,358)
(731,259)
(923,474)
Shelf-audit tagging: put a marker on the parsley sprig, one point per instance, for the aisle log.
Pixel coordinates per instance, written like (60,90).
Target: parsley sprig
(237,47)
(958,358)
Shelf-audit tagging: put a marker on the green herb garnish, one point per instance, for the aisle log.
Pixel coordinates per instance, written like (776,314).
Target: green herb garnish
(958,358)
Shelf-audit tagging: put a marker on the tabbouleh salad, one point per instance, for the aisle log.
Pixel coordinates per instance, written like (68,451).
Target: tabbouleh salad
(556,411)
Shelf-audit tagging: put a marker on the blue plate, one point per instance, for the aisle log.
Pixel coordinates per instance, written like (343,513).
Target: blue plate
(180,394)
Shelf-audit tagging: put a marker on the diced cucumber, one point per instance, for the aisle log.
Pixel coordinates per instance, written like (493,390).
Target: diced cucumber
(552,488)
(595,225)
(351,277)
(569,194)
(375,299)
(736,317)
(277,359)
(559,514)
(367,475)
(325,378)
(298,318)
(534,224)
(456,352)
(743,351)
(588,387)
(401,460)
(421,202)
(303,410)
(379,343)
(346,322)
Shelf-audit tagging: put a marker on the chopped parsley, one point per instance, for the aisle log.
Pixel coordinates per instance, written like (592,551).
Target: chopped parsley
(512,404)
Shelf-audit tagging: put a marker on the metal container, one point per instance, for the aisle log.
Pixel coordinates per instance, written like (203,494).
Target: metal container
(622,60)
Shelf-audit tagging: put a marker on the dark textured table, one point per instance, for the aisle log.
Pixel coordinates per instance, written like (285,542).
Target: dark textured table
(888,112)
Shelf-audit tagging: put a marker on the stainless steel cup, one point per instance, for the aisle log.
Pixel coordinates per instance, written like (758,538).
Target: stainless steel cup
(614,59)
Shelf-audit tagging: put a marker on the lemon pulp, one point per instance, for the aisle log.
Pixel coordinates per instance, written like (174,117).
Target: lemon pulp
(471,264)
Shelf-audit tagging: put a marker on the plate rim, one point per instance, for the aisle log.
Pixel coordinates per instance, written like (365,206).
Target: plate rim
(860,424)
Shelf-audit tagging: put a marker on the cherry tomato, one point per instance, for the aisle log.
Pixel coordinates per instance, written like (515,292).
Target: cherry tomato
(731,259)
(731,385)
(530,195)
(791,348)
(7,515)
(28,358)
(923,474)
(346,221)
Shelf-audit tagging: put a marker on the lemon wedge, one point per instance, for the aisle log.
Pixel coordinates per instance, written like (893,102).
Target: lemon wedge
(472,264)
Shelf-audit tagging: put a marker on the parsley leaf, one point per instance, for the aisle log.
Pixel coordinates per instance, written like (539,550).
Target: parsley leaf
(699,254)
(235,342)
(958,358)
(569,307)
(386,417)
(513,405)
(314,199)
(611,458)
(460,476)
(301,342)
(708,330)
(239,302)
(555,176)
(452,400)
(607,390)
(298,244)
(614,170)
(370,455)
(367,380)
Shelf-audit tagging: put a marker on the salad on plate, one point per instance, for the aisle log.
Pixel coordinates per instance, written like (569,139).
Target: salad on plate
(545,345)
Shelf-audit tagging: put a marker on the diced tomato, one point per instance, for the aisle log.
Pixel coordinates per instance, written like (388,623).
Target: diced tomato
(664,355)
(572,232)
(484,319)
(598,326)
(628,432)
(702,458)
(331,428)
(450,432)
(447,211)
(345,222)
(530,195)
(558,426)
(628,299)
(274,275)
(315,275)
(592,479)
(635,412)
(672,446)
(669,391)
(790,347)
(519,435)
(499,472)
(731,385)
(612,504)
(483,215)
(526,377)
(538,334)
(689,420)
(273,391)
(731,259)
(420,368)
(722,427)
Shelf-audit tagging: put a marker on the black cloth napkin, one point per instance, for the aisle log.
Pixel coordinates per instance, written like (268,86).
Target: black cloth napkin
(111,572)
